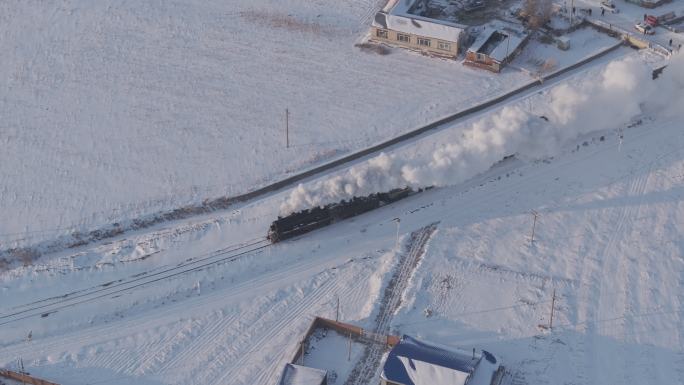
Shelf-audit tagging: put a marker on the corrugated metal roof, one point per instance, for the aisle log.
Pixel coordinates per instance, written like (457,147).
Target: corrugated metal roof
(506,47)
(514,37)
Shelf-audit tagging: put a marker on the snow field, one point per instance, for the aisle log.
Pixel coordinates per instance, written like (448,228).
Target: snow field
(607,241)
(609,323)
(113,111)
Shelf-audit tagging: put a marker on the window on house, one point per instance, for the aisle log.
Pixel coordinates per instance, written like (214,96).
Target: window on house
(480,57)
(444,45)
(403,38)
(424,42)
(382,33)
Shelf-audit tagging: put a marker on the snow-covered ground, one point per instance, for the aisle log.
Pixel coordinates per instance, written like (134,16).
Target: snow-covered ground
(333,353)
(630,14)
(110,111)
(216,306)
(113,110)
(538,57)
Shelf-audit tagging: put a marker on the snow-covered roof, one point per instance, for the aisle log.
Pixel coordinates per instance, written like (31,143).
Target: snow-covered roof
(395,16)
(413,362)
(302,375)
(508,45)
(511,38)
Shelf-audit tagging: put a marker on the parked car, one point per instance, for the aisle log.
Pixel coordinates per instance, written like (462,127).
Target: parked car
(609,6)
(645,29)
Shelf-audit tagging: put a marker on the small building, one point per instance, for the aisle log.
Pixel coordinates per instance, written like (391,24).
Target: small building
(563,43)
(396,26)
(302,375)
(496,46)
(414,362)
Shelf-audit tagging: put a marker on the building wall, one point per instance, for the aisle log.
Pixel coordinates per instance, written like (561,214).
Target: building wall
(484,61)
(392,37)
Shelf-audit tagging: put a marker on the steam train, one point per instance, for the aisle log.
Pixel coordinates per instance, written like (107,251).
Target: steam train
(308,220)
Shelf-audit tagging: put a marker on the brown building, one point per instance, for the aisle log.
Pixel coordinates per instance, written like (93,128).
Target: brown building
(426,35)
(496,46)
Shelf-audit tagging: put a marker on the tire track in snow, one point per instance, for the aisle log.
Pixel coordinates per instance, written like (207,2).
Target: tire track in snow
(629,300)
(118,330)
(594,296)
(373,6)
(283,319)
(271,374)
(191,347)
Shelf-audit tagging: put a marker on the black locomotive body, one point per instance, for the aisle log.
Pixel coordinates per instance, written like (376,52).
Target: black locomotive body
(308,220)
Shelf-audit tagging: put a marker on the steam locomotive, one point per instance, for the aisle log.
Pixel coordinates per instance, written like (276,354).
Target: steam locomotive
(304,221)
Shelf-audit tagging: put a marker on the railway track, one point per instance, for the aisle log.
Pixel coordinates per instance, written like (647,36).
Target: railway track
(367,367)
(45,307)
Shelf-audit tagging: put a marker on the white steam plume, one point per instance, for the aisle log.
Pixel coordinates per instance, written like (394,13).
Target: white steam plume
(595,104)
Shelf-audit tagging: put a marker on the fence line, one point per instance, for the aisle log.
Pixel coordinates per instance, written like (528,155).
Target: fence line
(24,378)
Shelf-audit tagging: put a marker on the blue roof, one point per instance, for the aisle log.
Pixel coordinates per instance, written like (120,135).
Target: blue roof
(413,349)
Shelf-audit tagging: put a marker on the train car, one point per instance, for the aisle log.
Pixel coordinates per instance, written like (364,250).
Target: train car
(298,223)
(308,220)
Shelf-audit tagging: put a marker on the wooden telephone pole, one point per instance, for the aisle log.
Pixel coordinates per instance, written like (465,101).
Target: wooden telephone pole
(534,225)
(553,305)
(287,128)
(337,311)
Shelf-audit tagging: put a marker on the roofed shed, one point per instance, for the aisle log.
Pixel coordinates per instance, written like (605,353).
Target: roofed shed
(495,46)
(414,362)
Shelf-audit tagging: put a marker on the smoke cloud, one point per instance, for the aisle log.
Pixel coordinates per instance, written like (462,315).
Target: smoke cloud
(606,101)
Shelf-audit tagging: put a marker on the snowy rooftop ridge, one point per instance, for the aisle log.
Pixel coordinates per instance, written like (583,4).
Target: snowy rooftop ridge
(395,16)
(414,362)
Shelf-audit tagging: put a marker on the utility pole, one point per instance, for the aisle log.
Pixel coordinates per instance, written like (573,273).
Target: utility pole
(534,225)
(287,128)
(508,44)
(301,352)
(553,304)
(396,242)
(572,12)
(620,137)
(349,351)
